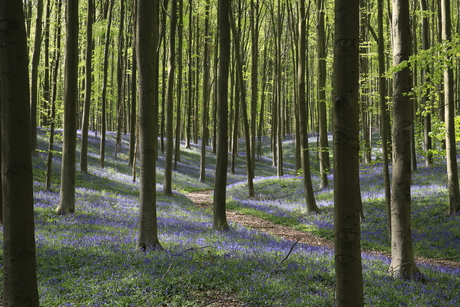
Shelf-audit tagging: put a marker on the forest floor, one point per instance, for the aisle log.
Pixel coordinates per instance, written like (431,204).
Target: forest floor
(203,199)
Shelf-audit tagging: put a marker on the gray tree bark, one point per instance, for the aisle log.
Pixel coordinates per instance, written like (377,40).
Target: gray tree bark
(88,83)
(402,256)
(220,182)
(449,113)
(19,268)
(347,195)
(303,110)
(167,184)
(146,44)
(34,74)
(67,192)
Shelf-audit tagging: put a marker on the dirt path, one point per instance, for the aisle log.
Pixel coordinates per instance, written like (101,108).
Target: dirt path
(203,199)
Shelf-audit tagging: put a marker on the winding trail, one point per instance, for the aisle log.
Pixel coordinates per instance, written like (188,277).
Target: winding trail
(203,199)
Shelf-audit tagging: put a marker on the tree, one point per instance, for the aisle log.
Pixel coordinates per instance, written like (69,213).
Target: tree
(383,113)
(167,185)
(34,73)
(104,84)
(204,120)
(88,82)
(19,268)
(220,182)
(67,192)
(424,101)
(402,257)
(146,44)
(347,195)
(449,113)
(303,114)
(321,93)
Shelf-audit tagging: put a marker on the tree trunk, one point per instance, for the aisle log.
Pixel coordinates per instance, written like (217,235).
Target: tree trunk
(347,195)
(67,192)
(425,104)
(384,114)
(242,95)
(402,257)
(120,80)
(133,119)
(19,268)
(204,118)
(104,85)
(146,43)
(324,163)
(179,86)
(220,182)
(303,111)
(167,185)
(88,82)
(449,113)
(34,75)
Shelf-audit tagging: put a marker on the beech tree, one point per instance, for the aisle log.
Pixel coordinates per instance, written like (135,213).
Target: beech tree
(146,44)
(402,256)
(220,183)
(347,195)
(19,268)
(303,114)
(88,87)
(449,113)
(167,185)
(67,192)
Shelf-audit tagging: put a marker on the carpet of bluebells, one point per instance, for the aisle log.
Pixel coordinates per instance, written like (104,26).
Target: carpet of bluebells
(89,258)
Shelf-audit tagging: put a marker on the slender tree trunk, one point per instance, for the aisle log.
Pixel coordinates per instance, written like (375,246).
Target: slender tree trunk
(402,257)
(179,85)
(324,163)
(424,101)
(347,195)
(67,192)
(220,182)
(449,113)
(242,95)
(303,110)
(167,185)
(133,119)
(120,80)
(34,75)
(384,114)
(254,16)
(188,128)
(146,43)
(204,118)
(18,264)
(88,82)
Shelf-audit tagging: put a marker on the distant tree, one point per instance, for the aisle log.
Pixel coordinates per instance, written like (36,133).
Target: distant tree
(425,104)
(303,107)
(321,92)
(242,97)
(347,195)
(204,120)
(105,73)
(449,113)
(34,73)
(180,69)
(146,44)
(220,183)
(18,264)
(88,88)
(384,118)
(167,184)
(120,78)
(402,256)
(67,192)
(52,112)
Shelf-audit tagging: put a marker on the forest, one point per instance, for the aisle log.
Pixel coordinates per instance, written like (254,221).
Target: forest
(230,153)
